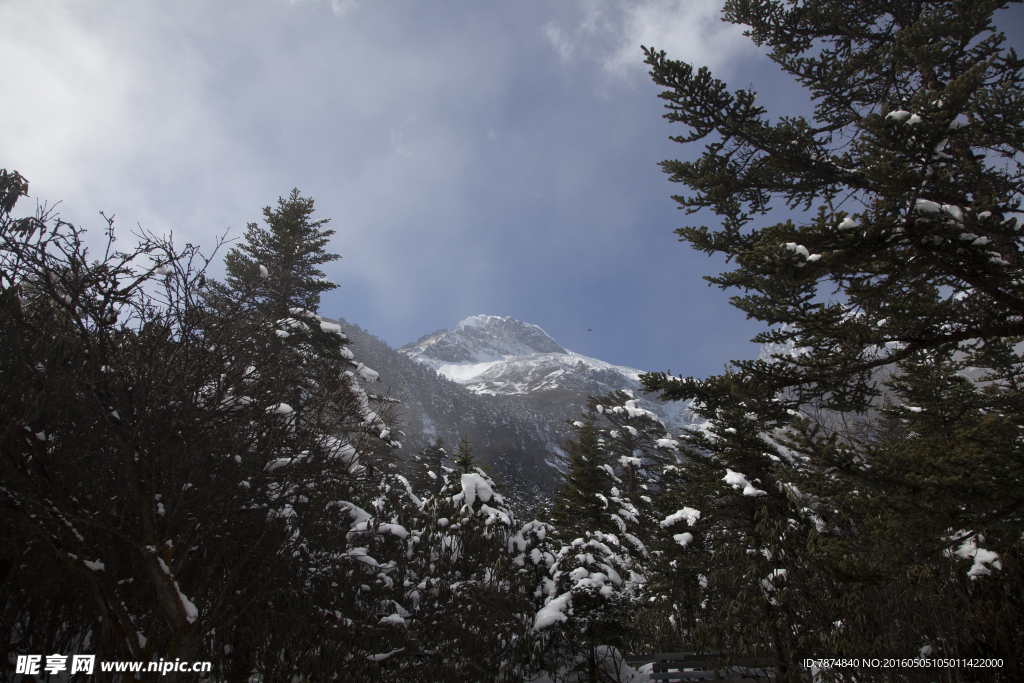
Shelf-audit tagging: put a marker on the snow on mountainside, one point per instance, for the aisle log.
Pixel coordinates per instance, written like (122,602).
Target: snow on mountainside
(482,339)
(514,437)
(506,385)
(502,356)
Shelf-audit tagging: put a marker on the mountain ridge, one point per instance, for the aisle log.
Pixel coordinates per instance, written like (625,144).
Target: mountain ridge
(502,356)
(513,408)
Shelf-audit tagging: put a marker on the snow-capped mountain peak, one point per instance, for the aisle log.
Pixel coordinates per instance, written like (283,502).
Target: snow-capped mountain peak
(481,339)
(502,356)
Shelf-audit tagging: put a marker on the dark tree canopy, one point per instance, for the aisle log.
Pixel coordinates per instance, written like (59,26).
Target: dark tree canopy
(860,481)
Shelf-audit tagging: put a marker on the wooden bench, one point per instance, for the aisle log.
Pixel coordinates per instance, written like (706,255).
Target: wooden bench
(691,666)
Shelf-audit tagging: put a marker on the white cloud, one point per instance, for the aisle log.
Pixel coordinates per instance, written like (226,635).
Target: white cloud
(101,106)
(688,30)
(559,40)
(611,32)
(342,7)
(339,7)
(397,145)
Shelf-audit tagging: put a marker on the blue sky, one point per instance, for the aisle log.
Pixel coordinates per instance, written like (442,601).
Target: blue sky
(474,158)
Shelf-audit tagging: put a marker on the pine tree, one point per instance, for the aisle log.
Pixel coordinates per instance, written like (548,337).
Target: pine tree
(274,285)
(728,569)
(635,440)
(909,103)
(470,595)
(464,460)
(580,505)
(279,263)
(910,172)
(910,508)
(599,518)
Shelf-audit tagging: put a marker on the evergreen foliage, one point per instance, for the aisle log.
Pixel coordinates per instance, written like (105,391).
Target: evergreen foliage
(877,442)
(603,520)
(579,505)
(208,464)
(464,460)
(471,598)
(278,265)
(897,84)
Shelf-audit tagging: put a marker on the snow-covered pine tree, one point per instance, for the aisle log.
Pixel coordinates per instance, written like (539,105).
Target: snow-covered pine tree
(638,448)
(730,552)
(595,581)
(913,111)
(912,162)
(275,271)
(275,284)
(470,604)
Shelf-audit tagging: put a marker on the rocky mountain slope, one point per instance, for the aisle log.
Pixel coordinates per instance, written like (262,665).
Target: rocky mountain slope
(505,357)
(506,384)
